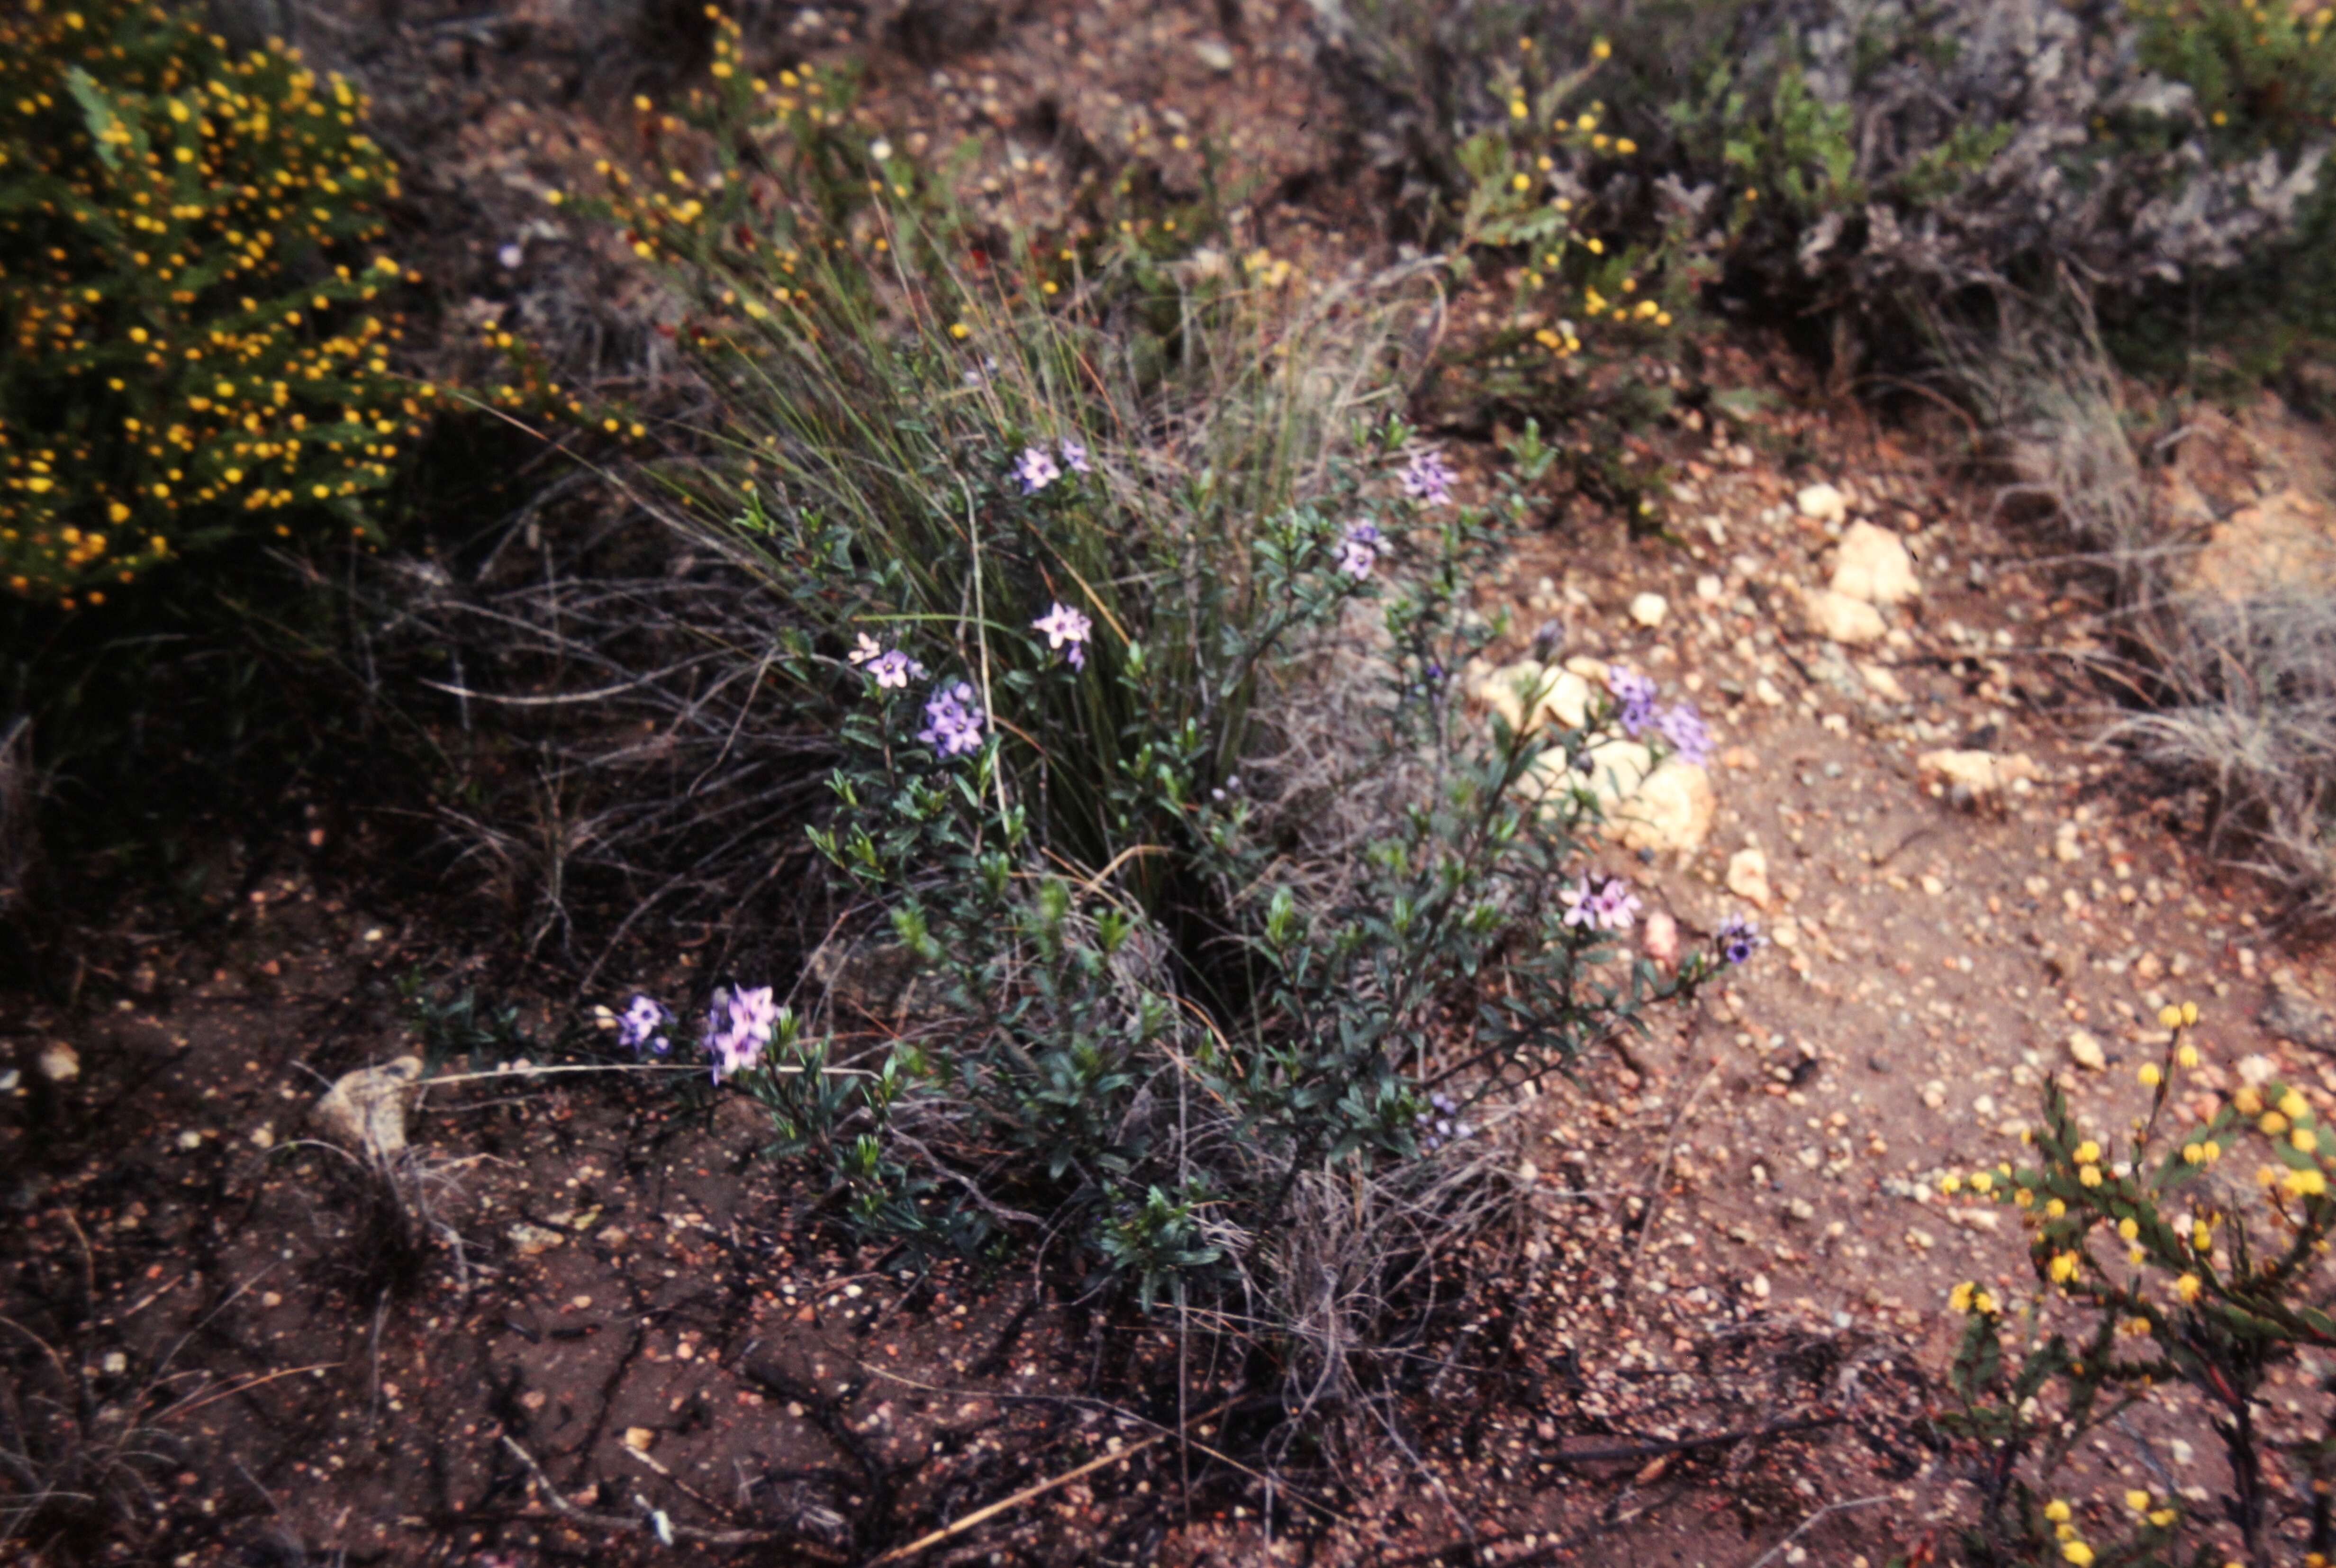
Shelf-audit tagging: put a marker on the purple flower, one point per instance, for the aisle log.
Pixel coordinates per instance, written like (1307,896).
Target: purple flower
(953,722)
(738,1027)
(1074,457)
(1428,478)
(1037,470)
(642,1027)
(863,649)
(1739,939)
(1682,727)
(1636,694)
(1358,552)
(1066,626)
(1606,907)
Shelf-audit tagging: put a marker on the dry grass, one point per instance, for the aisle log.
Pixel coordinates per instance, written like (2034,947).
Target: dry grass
(2234,694)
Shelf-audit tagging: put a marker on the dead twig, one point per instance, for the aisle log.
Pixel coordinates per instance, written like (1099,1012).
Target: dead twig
(1773,1553)
(655,1521)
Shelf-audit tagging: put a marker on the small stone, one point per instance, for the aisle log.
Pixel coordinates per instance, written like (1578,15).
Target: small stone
(367,1108)
(1765,692)
(1563,695)
(640,1439)
(2065,848)
(530,1240)
(1821,502)
(1672,809)
(1708,587)
(1872,565)
(1837,618)
(1649,609)
(1977,776)
(1748,876)
(1881,683)
(1213,54)
(60,1063)
(1662,940)
(614,1236)
(1760,1287)
(1800,1209)
(2084,1050)
(263,1136)
(1934,1094)
(191,1140)
(1932,885)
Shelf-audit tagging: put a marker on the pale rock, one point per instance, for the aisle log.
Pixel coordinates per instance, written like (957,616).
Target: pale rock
(2065,848)
(1593,670)
(60,1063)
(1617,768)
(367,1108)
(530,1239)
(1661,939)
(1671,809)
(1872,565)
(1760,1287)
(1213,54)
(2255,1071)
(1556,694)
(1765,692)
(1837,618)
(1708,587)
(640,1439)
(1881,683)
(1977,773)
(1748,876)
(1821,502)
(2084,1050)
(1649,609)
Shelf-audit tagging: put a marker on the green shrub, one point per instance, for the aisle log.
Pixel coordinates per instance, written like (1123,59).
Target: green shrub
(2165,1281)
(1133,634)
(185,263)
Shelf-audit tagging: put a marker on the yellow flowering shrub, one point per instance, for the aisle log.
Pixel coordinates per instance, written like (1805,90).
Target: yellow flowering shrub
(2169,1280)
(187,256)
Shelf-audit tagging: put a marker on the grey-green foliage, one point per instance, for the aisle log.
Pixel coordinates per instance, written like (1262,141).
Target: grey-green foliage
(1893,145)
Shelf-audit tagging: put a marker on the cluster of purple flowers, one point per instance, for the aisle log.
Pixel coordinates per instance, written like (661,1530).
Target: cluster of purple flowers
(739,1027)
(1739,939)
(1037,468)
(1445,1126)
(1635,694)
(953,721)
(1358,552)
(1602,904)
(1683,731)
(1065,629)
(642,1026)
(891,667)
(1682,727)
(1428,478)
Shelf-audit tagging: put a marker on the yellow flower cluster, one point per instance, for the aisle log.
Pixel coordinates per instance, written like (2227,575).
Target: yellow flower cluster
(184,266)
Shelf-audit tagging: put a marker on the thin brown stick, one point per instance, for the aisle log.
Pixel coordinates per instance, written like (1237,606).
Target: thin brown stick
(1614,1451)
(1006,1504)
(1664,1172)
(1773,1553)
(625,1522)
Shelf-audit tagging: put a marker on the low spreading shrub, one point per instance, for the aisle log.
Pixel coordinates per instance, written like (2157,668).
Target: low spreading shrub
(1119,630)
(191,296)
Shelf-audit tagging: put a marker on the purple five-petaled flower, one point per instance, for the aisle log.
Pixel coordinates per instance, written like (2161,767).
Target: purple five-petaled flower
(1683,729)
(1428,478)
(1358,549)
(1065,629)
(1600,904)
(1635,694)
(1074,457)
(642,1027)
(1739,939)
(891,667)
(953,721)
(738,1029)
(1037,470)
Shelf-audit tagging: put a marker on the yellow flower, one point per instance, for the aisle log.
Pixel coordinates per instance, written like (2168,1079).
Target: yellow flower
(2164,1517)
(2064,1268)
(2150,1075)
(2054,1208)
(2294,1106)
(1951,1184)
(2187,1056)
(2056,1512)
(2087,1152)
(2139,1501)
(2129,1227)
(2248,1102)
(1601,50)
(1959,1300)
(2304,1184)
(1596,246)
(2191,1153)
(2202,1236)
(2305,1139)
(2090,1176)
(2187,1287)
(1625,146)
(2077,1551)
(1517,110)
(2170,1016)
(2272,1124)
(1521,182)
(2189,1013)
(961,331)
(1981,1181)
